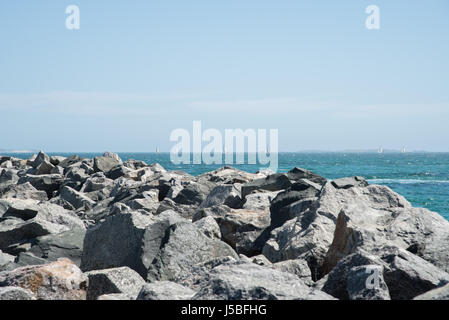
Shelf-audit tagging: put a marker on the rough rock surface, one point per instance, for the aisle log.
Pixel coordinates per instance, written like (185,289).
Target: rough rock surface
(441,293)
(15,293)
(375,215)
(24,191)
(297,267)
(248,281)
(309,235)
(209,227)
(165,290)
(405,274)
(223,194)
(60,280)
(240,228)
(111,281)
(273,182)
(67,244)
(105,164)
(259,201)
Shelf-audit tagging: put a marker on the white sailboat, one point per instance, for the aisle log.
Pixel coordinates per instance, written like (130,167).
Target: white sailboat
(403,150)
(380,150)
(157,149)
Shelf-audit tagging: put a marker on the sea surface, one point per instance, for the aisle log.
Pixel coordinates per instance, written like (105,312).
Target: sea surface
(422,178)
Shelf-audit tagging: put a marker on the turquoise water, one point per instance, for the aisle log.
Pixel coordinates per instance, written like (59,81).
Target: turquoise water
(422,178)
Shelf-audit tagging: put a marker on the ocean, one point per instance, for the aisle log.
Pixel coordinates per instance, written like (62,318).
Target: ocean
(422,178)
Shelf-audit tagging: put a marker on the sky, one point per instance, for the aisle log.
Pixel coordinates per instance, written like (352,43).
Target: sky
(137,70)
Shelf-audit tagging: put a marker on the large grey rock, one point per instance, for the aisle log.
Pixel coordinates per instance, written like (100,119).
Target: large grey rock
(15,293)
(116,242)
(159,248)
(248,281)
(178,248)
(41,158)
(223,194)
(96,182)
(69,161)
(24,220)
(5,259)
(299,173)
(47,182)
(44,168)
(76,174)
(280,207)
(7,165)
(134,164)
(105,164)
(25,258)
(367,217)
(186,211)
(374,216)
(110,281)
(76,199)
(13,230)
(147,200)
(367,283)
(142,174)
(57,170)
(441,293)
(194,193)
(336,282)
(214,212)
(274,182)
(166,181)
(239,228)
(209,227)
(242,228)
(56,160)
(29,209)
(67,244)
(8,177)
(259,201)
(192,279)
(113,155)
(118,171)
(405,274)
(297,267)
(24,191)
(409,275)
(165,290)
(124,189)
(60,280)
(4,159)
(309,235)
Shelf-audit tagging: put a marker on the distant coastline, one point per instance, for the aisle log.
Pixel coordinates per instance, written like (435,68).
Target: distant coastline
(25,151)
(18,151)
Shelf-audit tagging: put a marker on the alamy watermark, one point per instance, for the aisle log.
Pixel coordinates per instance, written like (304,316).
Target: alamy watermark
(209,146)
(372,22)
(72,22)
(373,280)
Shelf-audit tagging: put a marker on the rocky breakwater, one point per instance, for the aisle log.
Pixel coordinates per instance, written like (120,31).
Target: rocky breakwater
(74,228)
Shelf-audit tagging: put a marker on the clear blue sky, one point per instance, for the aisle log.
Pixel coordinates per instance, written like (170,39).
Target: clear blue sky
(136,70)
